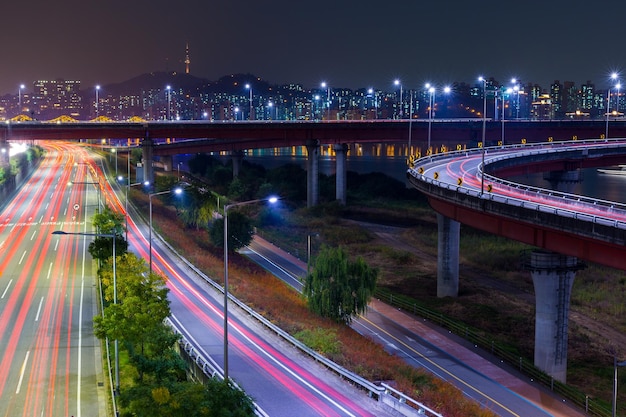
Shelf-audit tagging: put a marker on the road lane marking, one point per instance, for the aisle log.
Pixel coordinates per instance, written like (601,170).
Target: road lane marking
(33,235)
(22,258)
(442,369)
(19,383)
(7,288)
(49,271)
(39,309)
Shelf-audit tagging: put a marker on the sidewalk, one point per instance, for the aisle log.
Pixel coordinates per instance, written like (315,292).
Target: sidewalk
(534,393)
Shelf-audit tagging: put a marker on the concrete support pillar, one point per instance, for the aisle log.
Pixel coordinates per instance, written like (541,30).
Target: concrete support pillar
(146,156)
(4,152)
(340,168)
(553,275)
(448,237)
(563,181)
(312,173)
(237,157)
(167,162)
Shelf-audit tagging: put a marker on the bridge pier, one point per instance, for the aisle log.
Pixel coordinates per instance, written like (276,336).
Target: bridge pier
(553,275)
(448,239)
(237,157)
(312,173)
(146,156)
(167,162)
(4,152)
(340,176)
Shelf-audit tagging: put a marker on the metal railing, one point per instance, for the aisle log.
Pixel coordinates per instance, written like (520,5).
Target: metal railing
(593,407)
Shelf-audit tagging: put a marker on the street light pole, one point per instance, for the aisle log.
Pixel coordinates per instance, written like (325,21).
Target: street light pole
(431,94)
(249,87)
(482,175)
(176,191)
(398,83)
(96,103)
(168,88)
(19,98)
(226,208)
(608,107)
(327,87)
(615,366)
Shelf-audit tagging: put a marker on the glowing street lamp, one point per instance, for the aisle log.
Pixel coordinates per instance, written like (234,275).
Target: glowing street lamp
(168,90)
(19,97)
(176,191)
(398,83)
(327,87)
(128,185)
(96,103)
(373,95)
(249,87)
(608,104)
(271,200)
(482,176)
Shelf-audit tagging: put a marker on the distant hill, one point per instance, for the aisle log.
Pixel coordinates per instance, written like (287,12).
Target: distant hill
(159,80)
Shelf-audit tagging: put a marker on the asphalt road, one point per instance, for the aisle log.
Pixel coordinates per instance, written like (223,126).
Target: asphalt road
(500,390)
(50,363)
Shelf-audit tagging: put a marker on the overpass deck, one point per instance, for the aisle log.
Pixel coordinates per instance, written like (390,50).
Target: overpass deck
(469,187)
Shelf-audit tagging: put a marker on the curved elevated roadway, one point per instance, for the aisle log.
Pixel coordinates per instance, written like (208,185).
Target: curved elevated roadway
(470,187)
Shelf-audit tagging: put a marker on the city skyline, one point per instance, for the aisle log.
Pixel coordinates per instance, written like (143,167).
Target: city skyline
(349,45)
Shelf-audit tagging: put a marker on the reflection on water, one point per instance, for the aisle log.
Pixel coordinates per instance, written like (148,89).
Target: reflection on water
(594,184)
(390,159)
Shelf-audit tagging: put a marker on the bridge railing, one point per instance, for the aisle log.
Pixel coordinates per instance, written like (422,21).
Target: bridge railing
(607,213)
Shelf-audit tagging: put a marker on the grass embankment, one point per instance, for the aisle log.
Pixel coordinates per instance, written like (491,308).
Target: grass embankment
(495,295)
(287,309)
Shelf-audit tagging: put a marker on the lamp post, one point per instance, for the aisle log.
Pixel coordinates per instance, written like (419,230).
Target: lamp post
(19,98)
(615,365)
(114,237)
(271,106)
(96,103)
(176,191)
(327,87)
(128,185)
(249,87)
(608,106)
(226,208)
(168,90)
(482,176)
(372,93)
(516,88)
(431,95)
(315,110)
(398,83)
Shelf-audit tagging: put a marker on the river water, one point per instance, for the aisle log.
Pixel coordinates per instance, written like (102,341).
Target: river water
(390,159)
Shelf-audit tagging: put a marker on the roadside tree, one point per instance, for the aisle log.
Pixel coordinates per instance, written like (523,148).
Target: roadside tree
(337,287)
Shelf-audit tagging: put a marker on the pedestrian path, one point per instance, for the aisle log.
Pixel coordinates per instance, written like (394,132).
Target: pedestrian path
(457,347)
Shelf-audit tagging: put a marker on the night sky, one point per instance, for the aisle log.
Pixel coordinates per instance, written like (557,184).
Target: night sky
(347,43)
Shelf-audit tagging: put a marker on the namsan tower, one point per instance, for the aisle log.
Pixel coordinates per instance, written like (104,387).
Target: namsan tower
(187,60)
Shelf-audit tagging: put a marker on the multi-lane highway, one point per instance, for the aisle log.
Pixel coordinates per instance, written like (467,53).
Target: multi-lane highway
(51,364)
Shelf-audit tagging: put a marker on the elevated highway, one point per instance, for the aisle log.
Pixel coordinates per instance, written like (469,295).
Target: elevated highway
(470,187)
